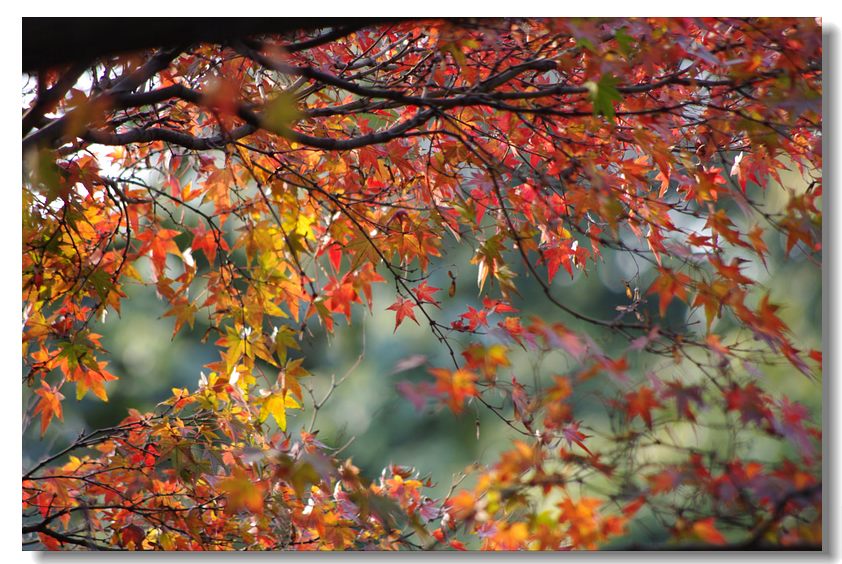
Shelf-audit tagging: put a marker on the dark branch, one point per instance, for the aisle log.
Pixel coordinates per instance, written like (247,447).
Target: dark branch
(48,42)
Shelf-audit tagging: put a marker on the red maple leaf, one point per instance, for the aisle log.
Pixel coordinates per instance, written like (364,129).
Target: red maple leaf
(476,318)
(341,294)
(560,255)
(403,308)
(424,292)
(640,404)
(497,306)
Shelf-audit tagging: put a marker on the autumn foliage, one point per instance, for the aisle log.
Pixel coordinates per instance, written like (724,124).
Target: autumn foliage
(268,184)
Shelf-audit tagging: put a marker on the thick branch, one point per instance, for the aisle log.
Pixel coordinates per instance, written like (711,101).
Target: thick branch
(56,129)
(47,101)
(48,42)
(168,136)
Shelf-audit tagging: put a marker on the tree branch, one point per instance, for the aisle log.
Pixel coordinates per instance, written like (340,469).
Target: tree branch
(48,42)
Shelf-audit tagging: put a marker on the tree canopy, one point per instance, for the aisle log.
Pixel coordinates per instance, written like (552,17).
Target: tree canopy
(264,180)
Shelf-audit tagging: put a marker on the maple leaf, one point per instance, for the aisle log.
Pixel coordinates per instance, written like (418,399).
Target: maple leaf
(242,492)
(755,237)
(89,379)
(424,293)
(276,404)
(476,318)
(49,405)
(559,255)
(289,376)
(669,285)
(583,518)
(488,359)
(707,186)
(497,306)
(205,240)
(683,396)
(456,386)
(341,294)
(159,243)
(235,343)
(334,253)
(640,403)
(280,113)
(603,94)
(403,308)
(572,434)
(184,312)
(750,401)
(132,537)
(706,530)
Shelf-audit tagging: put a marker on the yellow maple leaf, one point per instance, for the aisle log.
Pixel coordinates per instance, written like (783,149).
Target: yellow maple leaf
(276,404)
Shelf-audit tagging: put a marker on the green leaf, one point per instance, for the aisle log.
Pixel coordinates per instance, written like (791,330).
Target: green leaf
(280,113)
(603,94)
(624,41)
